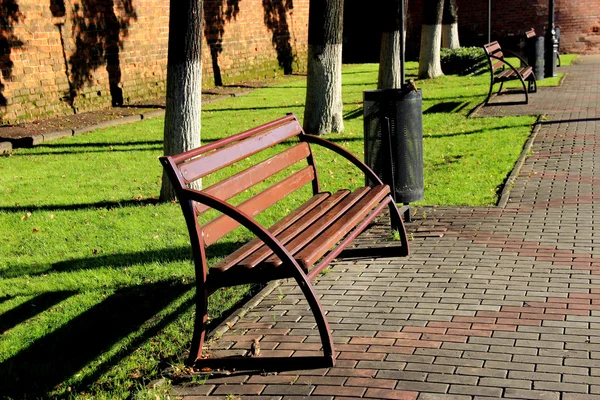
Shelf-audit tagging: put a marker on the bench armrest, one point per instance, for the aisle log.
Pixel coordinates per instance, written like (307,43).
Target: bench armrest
(247,222)
(513,54)
(344,153)
(507,63)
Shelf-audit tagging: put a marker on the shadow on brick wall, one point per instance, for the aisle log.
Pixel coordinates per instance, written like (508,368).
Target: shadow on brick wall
(276,12)
(99,34)
(216,14)
(9,17)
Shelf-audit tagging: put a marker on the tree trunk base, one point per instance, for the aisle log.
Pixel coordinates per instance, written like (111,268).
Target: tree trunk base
(323,110)
(429,56)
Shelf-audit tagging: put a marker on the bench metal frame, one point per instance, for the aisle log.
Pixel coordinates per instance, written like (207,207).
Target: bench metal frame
(192,202)
(494,52)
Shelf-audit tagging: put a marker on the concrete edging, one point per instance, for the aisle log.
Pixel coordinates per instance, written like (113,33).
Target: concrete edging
(31,141)
(502,202)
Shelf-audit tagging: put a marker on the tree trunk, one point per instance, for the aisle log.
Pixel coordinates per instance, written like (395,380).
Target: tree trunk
(323,110)
(389,56)
(431,40)
(184,84)
(450,25)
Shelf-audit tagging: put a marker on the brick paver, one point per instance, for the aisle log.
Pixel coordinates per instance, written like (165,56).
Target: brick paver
(493,301)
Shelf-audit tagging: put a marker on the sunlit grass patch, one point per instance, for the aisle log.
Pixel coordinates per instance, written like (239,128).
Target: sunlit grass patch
(96,288)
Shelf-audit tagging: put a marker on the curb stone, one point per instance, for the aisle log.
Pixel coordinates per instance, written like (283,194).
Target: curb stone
(519,164)
(5,147)
(30,141)
(57,135)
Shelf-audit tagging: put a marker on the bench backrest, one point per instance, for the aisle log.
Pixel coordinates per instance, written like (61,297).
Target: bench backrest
(494,54)
(195,164)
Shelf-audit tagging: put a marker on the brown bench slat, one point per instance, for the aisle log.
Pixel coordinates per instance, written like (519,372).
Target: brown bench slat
(180,158)
(492,47)
(509,74)
(221,226)
(305,237)
(202,166)
(330,236)
(277,228)
(236,184)
(294,230)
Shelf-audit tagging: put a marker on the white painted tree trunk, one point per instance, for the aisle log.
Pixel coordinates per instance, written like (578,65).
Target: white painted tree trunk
(389,61)
(429,56)
(450,36)
(323,112)
(184,84)
(323,108)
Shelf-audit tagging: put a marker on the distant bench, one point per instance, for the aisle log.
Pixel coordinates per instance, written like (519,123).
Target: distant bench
(298,246)
(500,73)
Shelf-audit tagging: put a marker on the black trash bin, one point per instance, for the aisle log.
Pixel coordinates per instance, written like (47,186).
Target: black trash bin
(393,129)
(534,49)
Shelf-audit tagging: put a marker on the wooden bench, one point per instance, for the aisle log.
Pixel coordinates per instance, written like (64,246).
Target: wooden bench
(298,246)
(500,73)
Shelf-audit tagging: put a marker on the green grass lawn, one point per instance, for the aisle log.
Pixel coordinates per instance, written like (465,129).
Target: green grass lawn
(96,275)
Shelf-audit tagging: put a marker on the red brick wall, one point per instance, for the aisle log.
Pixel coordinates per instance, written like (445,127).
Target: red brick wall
(579,21)
(61,55)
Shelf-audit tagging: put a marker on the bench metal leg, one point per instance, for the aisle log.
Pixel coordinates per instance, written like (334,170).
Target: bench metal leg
(199,325)
(487,99)
(524,89)
(501,85)
(319,315)
(532,83)
(398,225)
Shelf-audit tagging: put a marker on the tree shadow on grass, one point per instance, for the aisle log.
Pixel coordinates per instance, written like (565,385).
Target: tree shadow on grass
(446,107)
(119,260)
(97,144)
(50,360)
(6,298)
(81,206)
(108,150)
(10,15)
(255,108)
(31,308)
(354,114)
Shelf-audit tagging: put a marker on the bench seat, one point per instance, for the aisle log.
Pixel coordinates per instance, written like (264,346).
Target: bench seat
(308,233)
(509,74)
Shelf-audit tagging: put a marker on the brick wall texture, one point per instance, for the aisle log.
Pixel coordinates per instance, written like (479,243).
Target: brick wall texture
(62,56)
(579,22)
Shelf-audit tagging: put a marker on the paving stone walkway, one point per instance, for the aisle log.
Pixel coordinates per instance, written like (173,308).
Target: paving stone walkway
(493,302)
